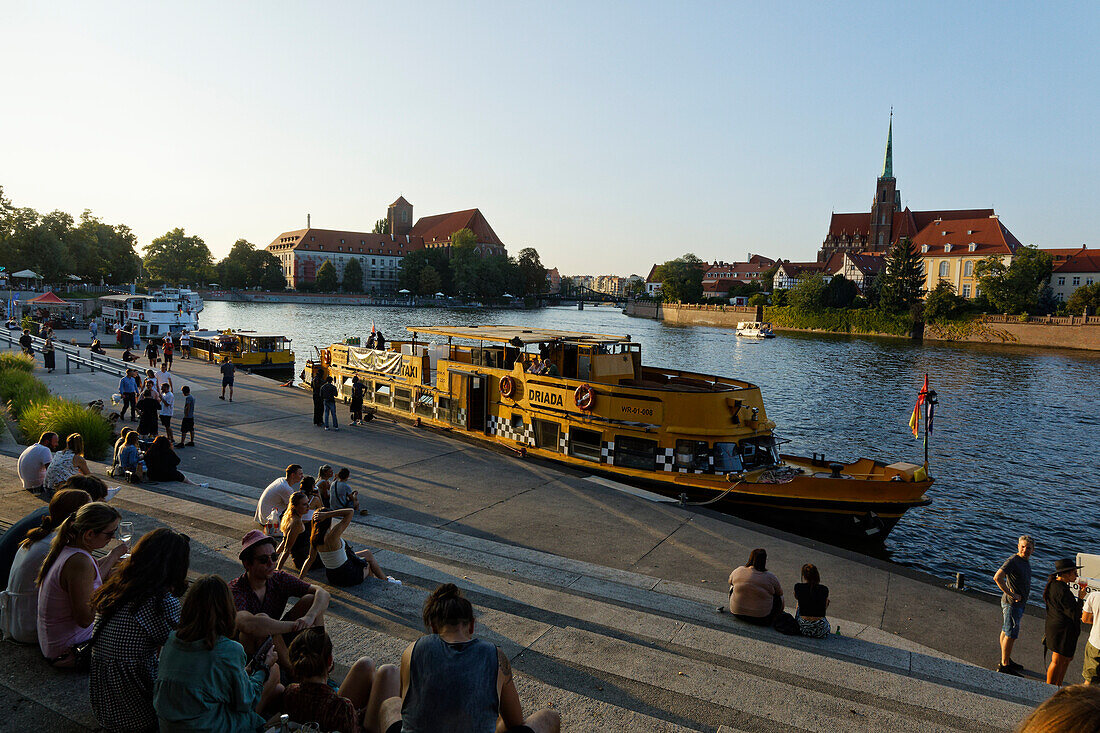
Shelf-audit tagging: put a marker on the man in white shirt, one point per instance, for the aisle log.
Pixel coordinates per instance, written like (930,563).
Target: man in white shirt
(167,400)
(34,461)
(163,378)
(185,345)
(277,494)
(1091,671)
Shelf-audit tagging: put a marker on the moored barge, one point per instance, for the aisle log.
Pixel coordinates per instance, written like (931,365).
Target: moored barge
(587,401)
(262,353)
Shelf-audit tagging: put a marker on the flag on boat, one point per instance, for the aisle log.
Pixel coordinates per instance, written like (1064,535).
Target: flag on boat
(914,421)
(372,325)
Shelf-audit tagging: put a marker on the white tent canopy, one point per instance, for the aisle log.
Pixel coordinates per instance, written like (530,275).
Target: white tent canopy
(27,274)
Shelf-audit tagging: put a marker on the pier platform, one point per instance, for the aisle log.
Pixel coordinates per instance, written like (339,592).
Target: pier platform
(605,600)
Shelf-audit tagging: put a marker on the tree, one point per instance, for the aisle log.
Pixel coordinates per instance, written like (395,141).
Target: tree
(326,277)
(681,279)
(430,282)
(175,257)
(381,226)
(531,275)
(1086,296)
(116,258)
(903,282)
(272,277)
(465,262)
(839,293)
(942,304)
(1018,287)
(353,276)
(808,293)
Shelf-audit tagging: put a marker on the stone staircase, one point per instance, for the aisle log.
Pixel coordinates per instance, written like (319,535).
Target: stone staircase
(611,650)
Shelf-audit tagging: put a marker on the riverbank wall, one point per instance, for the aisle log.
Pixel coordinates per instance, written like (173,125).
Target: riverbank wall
(1062,332)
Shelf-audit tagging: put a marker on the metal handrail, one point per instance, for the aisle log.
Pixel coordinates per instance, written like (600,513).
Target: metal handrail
(72,355)
(104,366)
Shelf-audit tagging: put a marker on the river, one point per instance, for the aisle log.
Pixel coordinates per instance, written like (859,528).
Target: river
(1016,447)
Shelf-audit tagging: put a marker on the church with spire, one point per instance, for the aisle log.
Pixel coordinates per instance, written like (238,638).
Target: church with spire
(887,221)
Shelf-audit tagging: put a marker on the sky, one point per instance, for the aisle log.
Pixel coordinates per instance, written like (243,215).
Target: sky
(607,135)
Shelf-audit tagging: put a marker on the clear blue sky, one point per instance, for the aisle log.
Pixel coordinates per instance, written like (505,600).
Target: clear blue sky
(606,135)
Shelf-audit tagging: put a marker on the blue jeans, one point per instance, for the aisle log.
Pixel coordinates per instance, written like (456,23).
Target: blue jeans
(330,408)
(1012,613)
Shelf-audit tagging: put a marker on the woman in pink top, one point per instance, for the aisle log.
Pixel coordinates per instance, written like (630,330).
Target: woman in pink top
(755,593)
(68,578)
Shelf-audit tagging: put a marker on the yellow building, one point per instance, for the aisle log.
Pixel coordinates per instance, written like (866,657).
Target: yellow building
(952,249)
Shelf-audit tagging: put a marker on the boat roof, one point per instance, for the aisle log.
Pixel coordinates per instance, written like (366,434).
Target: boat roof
(505,334)
(246,334)
(125,296)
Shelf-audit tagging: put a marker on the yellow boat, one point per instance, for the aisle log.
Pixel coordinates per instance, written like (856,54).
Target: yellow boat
(587,401)
(262,353)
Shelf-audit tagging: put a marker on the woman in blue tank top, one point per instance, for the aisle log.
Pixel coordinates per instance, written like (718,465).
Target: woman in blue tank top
(452,681)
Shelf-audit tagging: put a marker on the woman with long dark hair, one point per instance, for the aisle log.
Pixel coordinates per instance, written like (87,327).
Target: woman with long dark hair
(204,681)
(342,566)
(67,463)
(813,599)
(19,617)
(135,609)
(148,407)
(69,576)
(755,593)
(1063,619)
(161,462)
(295,537)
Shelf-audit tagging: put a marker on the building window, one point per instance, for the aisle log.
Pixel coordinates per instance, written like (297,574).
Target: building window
(966,291)
(968,268)
(313,239)
(1088,281)
(341,241)
(1077,281)
(973,247)
(1062,280)
(947,247)
(945,269)
(924,248)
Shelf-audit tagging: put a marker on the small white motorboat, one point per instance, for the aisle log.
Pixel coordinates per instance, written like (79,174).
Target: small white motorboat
(755,330)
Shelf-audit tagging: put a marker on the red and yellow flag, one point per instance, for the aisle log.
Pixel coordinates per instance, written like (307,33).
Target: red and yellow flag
(914,421)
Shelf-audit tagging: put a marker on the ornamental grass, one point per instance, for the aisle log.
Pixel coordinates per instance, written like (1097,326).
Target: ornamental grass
(65,417)
(17,361)
(18,389)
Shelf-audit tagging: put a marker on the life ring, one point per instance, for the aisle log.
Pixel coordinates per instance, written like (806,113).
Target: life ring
(507,385)
(584,397)
(141,316)
(326,358)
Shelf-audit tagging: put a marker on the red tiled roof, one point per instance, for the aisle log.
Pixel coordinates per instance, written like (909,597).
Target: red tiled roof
(988,234)
(796,268)
(328,241)
(906,223)
(1085,260)
(870,263)
(1064,253)
(440,227)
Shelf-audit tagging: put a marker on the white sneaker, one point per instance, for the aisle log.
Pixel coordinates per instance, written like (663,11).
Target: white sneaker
(393,580)
(204,485)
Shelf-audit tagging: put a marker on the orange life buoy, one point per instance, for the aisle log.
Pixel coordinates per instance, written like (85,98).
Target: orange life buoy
(584,397)
(507,385)
(326,357)
(141,316)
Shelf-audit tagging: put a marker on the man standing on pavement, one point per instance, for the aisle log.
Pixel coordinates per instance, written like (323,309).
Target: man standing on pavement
(167,402)
(93,328)
(34,461)
(328,394)
(228,370)
(1014,580)
(188,423)
(151,352)
(277,494)
(261,595)
(163,377)
(185,345)
(25,341)
(128,388)
(357,392)
(318,404)
(168,349)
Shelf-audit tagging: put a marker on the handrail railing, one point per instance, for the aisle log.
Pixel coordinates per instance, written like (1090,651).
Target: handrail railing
(72,355)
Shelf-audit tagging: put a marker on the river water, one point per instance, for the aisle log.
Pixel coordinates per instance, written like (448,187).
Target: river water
(1016,447)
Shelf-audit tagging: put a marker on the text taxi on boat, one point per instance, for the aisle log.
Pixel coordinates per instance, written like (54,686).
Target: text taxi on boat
(262,353)
(586,400)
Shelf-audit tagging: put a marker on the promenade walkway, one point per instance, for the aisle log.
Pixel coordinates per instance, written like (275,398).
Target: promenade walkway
(605,601)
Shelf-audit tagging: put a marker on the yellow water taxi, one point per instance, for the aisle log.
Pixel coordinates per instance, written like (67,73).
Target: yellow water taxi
(587,401)
(262,353)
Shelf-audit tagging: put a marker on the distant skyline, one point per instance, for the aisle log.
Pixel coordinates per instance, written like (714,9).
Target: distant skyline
(608,136)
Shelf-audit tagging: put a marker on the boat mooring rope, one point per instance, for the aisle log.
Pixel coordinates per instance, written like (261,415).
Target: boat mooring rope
(685,502)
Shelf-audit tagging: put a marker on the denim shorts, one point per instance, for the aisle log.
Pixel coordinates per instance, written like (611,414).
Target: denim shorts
(1012,613)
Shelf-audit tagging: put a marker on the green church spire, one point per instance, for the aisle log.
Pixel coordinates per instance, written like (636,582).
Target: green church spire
(888,166)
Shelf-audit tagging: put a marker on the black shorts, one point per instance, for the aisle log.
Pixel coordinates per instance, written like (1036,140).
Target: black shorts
(227,381)
(187,425)
(166,421)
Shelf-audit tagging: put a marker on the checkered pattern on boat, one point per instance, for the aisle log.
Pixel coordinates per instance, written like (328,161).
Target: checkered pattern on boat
(521,434)
(607,453)
(666,459)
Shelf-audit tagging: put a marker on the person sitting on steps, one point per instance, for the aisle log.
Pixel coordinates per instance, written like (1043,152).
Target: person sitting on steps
(755,593)
(342,567)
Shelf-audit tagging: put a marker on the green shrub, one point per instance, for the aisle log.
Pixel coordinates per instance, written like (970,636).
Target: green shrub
(13,360)
(18,389)
(65,417)
(840,320)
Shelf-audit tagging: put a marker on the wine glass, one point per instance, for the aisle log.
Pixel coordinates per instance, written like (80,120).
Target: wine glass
(125,533)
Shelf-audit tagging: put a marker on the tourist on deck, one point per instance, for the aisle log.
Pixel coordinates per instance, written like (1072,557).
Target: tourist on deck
(187,424)
(261,595)
(295,543)
(450,675)
(276,496)
(1014,580)
(185,344)
(1072,709)
(148,407)
(128,388)
(34,460)
(19,602)
(135,609)
(379,340)
(168,349)
(329,391)
(355,706)
(1090,614)
(25,341)
(49,360)
(151,352)
(343,567)
(228,371)
(204,679)
(342,495)
(356,405)
(324,484)
(755,593)
(1063,619)
(67,463)
(68,577)
(167,405)
(813,599)
(130,459)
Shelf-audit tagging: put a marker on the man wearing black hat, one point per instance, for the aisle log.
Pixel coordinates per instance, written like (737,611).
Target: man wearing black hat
(1014,579)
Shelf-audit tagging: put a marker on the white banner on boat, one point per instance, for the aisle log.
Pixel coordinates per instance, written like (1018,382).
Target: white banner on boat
(375,360)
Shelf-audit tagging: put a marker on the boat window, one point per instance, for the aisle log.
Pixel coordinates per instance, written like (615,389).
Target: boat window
(727,458)
(382,393)
(759,452)
(402,398)
(425,403)
(636,453)
(517,422)
(692,454)
(547,434)
(585,444)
